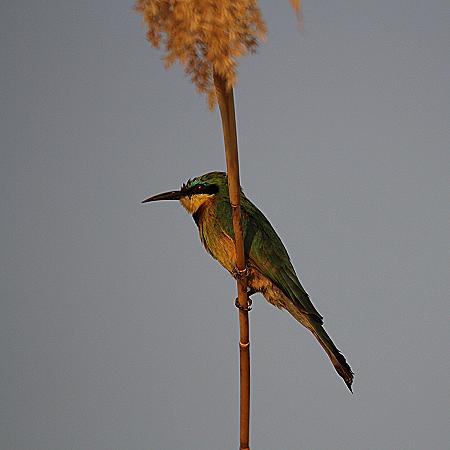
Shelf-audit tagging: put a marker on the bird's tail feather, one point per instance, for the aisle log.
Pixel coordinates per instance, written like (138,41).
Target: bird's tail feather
(336,357)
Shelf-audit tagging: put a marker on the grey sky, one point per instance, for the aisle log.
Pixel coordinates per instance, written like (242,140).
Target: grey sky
(117,331)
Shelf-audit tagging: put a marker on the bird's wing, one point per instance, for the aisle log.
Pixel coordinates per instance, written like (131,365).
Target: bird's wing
(265,251)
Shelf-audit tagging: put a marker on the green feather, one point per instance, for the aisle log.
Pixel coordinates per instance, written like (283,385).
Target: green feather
(264,249)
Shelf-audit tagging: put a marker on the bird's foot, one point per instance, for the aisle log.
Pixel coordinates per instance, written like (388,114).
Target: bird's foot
(239,274)
(249,306)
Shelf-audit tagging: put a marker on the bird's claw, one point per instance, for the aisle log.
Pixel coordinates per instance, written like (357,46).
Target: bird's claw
(239,274)
(247,308)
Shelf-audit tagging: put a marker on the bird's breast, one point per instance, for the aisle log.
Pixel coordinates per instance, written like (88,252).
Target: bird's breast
(216,241)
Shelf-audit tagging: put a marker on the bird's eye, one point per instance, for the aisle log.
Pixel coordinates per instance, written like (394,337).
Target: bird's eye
(200,188)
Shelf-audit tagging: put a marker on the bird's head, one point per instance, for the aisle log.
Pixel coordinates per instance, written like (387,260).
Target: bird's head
(197,191)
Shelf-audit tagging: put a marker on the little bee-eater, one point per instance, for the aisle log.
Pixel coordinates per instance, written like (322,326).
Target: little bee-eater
(270,270)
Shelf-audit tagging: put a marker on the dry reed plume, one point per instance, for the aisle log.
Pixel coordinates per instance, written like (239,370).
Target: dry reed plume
(206,36)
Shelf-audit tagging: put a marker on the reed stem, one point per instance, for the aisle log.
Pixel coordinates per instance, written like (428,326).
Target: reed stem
(228,116)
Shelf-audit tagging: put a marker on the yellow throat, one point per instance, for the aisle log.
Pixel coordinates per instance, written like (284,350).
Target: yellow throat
(192,203)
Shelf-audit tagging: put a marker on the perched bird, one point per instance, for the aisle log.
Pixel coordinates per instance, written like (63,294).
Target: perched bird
(270,270)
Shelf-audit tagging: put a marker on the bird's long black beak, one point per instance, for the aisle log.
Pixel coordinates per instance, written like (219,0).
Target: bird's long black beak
(172,195)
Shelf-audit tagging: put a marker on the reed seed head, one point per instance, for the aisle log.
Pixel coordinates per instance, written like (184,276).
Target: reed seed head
(205,36)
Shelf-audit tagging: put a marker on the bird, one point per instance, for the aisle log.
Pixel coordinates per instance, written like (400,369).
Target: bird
(269,268)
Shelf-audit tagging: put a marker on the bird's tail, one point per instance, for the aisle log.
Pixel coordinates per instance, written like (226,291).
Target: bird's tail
(316,328)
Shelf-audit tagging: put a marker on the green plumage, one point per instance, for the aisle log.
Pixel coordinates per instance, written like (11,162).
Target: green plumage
(262,246)
(270,269)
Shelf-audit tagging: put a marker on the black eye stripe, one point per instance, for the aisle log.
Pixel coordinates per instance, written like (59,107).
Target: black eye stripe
(204,189)
(200,189)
